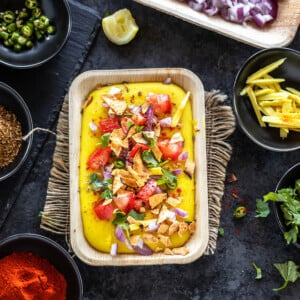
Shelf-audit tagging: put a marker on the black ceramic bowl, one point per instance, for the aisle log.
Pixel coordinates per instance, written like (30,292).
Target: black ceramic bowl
(267,137)
(59,12)
(53,252)
(287,180)
(14,103)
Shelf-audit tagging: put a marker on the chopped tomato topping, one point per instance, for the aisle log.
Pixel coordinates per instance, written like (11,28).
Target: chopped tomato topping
(147,190)
(170,150)
(104,212)
(99,158)
(161,103)
(139,119)
(123,201)
(108,125)
(136,148)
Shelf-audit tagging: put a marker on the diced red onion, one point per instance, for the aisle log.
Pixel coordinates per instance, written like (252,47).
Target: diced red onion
(107,175)
(153,226)
(172,216)
(238,11)
(120,234)
(135,109)
(177,172)
(141,248)
(93,127)
(183,156)
(158,190)
(180,212)
(109,168)
(114,249)
(166,122)
(149,116)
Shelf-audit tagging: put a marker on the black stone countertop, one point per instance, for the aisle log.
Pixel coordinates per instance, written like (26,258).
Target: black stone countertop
(164,41)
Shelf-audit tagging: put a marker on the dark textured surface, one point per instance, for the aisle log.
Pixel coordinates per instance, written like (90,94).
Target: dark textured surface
(164,41)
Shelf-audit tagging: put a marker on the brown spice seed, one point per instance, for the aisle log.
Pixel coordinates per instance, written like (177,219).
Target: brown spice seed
(10,137)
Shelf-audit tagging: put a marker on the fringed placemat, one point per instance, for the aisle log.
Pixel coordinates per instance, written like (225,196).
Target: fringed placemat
(220,124)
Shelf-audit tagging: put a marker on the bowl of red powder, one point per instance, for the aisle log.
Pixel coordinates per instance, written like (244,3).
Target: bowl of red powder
(35,267)
(15,123)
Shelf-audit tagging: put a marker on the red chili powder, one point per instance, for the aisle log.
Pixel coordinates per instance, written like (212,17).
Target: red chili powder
(26,276)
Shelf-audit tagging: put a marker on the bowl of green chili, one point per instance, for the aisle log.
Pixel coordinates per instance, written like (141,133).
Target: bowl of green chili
(32,31)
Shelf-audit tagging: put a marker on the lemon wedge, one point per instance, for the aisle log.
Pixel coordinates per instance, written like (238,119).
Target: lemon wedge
(120,28)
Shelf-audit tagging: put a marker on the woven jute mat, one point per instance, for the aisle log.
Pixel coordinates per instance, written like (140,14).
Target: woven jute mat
(220,124)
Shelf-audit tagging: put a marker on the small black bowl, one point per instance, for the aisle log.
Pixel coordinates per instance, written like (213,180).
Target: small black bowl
(59,12)
(287,180)
(50,250)
(267,137)
(14,103)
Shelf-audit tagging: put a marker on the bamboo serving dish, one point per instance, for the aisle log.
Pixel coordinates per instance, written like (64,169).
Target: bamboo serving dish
(78,93)
(278,33)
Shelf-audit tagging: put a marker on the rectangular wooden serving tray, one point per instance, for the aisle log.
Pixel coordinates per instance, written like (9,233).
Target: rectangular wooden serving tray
(278,33)
(78,93)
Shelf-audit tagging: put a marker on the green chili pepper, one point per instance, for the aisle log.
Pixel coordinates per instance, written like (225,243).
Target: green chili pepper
(31,4)
(26,30)
(22,40)
(44,22)
(17,47)
(23,14)
(51,29)
(19,23)
(15,35)
(29,44)
(119,163)
(240,212)
(8,16)
(39,36)
(36,13)
(11,27)
(4,35)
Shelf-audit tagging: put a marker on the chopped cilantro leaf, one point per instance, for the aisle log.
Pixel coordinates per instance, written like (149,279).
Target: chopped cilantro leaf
(98,184)
(258,271)
(289,272)
(107,194)
(221,231)
(138,128)
(135,215)
(149,159)
(169,179)
(104,139)
(262,209)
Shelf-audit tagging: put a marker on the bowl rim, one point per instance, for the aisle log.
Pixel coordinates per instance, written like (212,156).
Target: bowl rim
(48,241)
(39,63)
(276,209)
(234,102)
(29,141)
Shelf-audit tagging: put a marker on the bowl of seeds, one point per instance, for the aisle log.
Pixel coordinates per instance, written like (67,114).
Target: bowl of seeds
(15,123)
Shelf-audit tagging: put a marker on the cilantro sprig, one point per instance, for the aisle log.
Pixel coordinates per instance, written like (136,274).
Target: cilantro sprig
(97,184)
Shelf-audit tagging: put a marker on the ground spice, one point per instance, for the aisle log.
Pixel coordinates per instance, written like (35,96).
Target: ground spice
(10,137)
(26,276)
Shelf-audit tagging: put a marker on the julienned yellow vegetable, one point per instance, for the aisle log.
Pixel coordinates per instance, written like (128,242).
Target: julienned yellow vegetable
(165,223)
(273,105)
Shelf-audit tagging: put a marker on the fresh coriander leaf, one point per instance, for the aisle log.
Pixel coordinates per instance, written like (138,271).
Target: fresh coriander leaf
(164,162)
(121,220)
(138,128)
(129,124)
(221,231)
(291,236)
(149,159)
(151,140)
(107,194)
(289,272)
(96,183)
(104,139)
(135,215)
(262,209)
(258,271)
(169,179)
(297,186)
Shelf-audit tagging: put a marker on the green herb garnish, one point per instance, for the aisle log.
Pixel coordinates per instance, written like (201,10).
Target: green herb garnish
(104,139)
(262,209)
(149,159)
(138,128)
(289,272)
(221,231)
(107,194)
(258,271)
(98,184)
(168,179)
(135,215)
(151,140)
(290,207)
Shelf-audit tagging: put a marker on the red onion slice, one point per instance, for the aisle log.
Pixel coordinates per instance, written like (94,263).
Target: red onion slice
(153,226)
(180,212)
(93,127)
(166,122)
(114,249)
(183,156)
(142,249)
(149,116)
(120,234)
(176,172)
